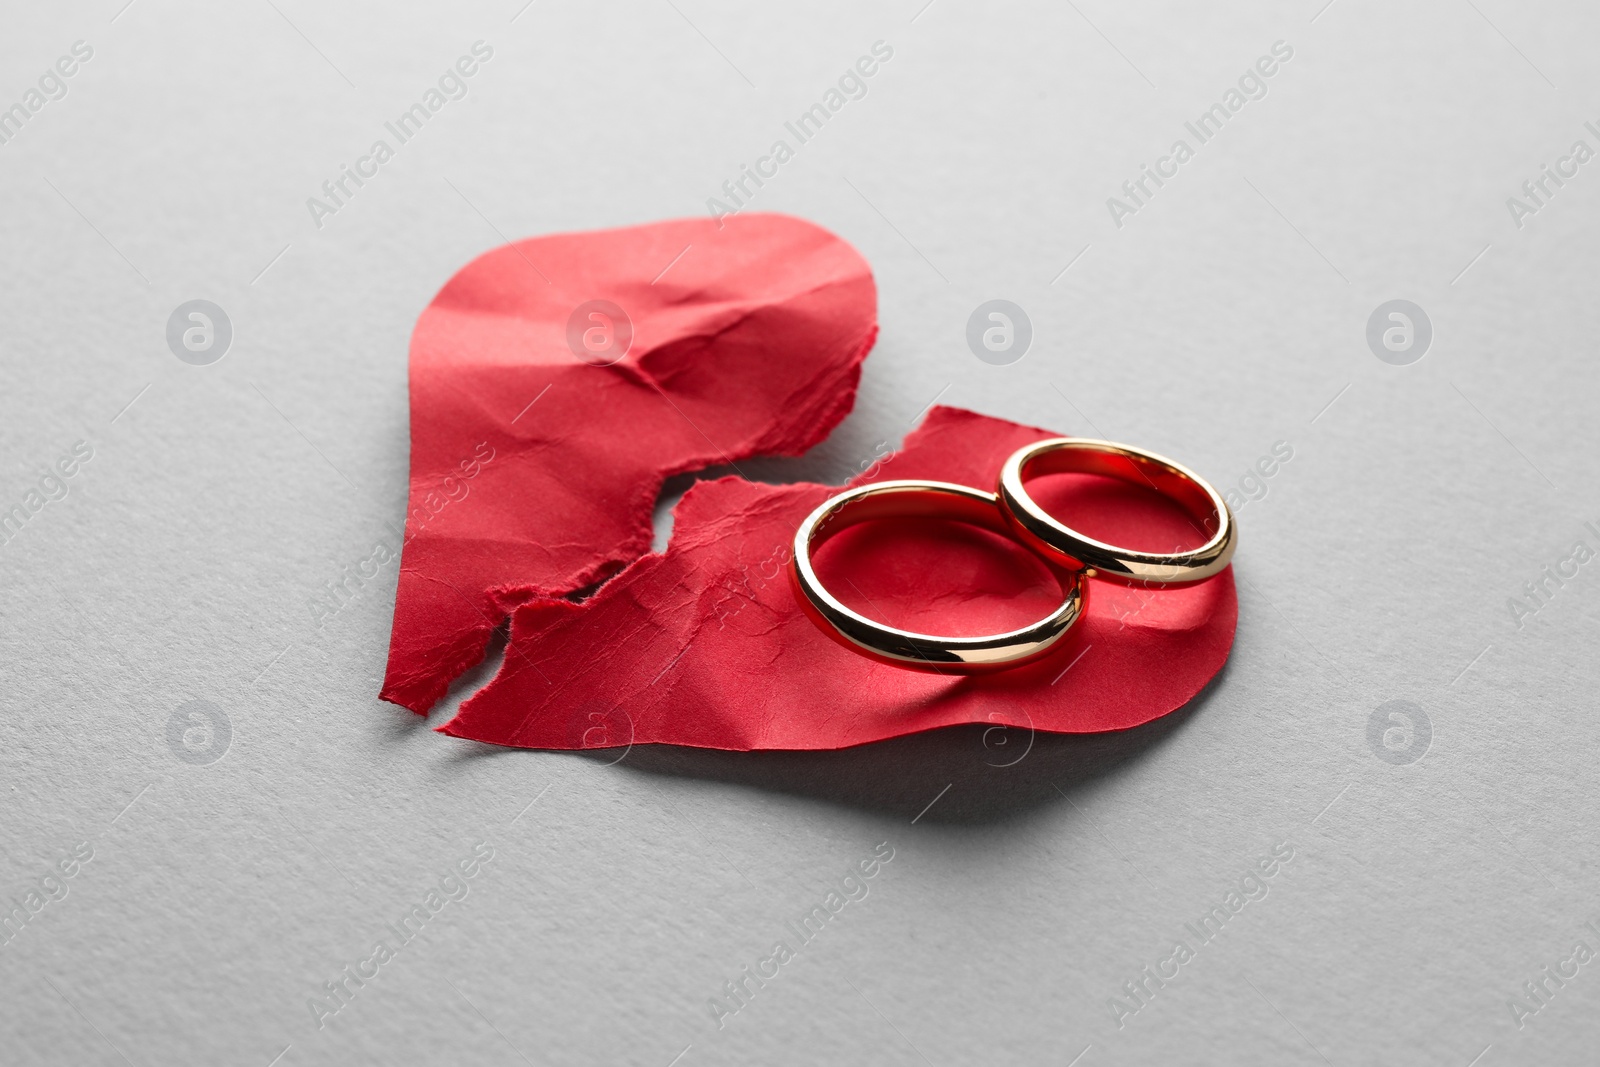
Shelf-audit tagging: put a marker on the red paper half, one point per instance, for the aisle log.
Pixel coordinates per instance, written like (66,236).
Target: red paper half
(541,434)
(705,644)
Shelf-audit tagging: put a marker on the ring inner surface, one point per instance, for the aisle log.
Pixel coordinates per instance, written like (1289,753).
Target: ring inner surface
(904,503)
(1135,470)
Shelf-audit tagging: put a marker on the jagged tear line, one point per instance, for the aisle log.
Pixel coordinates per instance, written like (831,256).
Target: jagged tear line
(769,470)
(763,469)
(466,685)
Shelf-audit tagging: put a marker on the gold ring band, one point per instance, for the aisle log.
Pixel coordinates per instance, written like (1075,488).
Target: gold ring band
(902,648)
(1067,547)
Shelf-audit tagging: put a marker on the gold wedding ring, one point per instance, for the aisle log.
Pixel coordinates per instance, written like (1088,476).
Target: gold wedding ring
(1060,543)
(903,648)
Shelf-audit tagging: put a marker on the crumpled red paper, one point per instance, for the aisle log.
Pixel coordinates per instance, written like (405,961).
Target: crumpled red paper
(705,645)
(537,454)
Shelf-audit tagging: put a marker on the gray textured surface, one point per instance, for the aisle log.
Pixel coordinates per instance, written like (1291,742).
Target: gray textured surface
(1226,315)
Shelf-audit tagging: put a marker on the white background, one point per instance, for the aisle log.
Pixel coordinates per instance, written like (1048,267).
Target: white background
(1228,314)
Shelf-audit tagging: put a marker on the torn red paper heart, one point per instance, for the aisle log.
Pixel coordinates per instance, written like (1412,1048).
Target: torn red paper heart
(705,645)
(557,382)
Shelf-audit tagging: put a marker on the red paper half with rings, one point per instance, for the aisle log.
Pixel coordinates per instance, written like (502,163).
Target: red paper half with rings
(705,644)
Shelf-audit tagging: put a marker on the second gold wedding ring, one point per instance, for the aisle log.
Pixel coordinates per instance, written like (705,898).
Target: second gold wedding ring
(1057,541)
